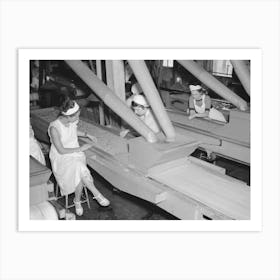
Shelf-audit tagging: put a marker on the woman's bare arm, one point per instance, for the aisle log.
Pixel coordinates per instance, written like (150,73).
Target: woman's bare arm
(202,115)
(55,136)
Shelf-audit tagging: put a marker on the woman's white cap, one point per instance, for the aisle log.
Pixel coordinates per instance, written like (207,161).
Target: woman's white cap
(141,100)
(192,87)
(72,111)
(136,89)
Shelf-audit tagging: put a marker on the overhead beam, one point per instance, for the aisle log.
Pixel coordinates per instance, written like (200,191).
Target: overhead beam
(214,84)
(243,73)
(146,82)
(110,99)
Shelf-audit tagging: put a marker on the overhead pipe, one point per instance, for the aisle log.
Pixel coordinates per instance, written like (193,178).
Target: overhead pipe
(110,99)
(243,73)
(145,80)
(214,84)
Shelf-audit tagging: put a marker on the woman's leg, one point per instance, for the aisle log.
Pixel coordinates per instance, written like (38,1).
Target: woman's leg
(78,191)
(77,200)
(88,181)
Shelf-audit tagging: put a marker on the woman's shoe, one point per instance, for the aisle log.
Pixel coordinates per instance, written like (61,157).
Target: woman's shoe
(78,207)
(103,201)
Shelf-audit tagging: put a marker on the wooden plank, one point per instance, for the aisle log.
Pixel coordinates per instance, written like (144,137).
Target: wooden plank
(181,161)
(39,173)
(161,168)
(222,193)
(145,155)
(207,165)
(187,208)
(132,182)
(126,180)
(106,140)
(237,130)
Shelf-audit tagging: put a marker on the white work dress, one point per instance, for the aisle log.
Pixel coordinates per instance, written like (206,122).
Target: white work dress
(214,114)
(68,169)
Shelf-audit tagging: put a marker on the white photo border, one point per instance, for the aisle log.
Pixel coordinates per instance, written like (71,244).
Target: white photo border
(254,55)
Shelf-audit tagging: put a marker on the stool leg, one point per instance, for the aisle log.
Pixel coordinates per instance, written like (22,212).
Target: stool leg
(56,191)
(66,201)
(86,193)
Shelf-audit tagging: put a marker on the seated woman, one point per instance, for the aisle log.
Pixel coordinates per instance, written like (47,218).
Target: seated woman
(67,157)
(200,105)
(142,110)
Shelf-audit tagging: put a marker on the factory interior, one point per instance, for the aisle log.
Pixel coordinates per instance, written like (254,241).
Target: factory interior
(189,161)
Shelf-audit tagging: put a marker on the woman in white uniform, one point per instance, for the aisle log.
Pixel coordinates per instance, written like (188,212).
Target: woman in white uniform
(67,157)
(200,105)
(142,110)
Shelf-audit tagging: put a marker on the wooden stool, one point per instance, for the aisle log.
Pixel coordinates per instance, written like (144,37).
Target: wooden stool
(84,197)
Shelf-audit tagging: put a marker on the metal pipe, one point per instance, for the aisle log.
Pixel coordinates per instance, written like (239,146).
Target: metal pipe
(110,99)
(146,82)
(214,84)
(242,73)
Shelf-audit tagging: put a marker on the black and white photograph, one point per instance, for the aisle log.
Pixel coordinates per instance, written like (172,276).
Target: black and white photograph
(140,139)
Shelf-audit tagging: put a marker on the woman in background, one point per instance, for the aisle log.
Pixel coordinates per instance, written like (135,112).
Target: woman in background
(67,157)
(200,105)
(142,110)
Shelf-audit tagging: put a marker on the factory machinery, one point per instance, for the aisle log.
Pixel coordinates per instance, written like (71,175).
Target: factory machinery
(159,168)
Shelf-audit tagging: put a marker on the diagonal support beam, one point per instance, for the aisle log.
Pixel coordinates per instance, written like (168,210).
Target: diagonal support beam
(145,80)
(242,73)
(110,99)
(214,84)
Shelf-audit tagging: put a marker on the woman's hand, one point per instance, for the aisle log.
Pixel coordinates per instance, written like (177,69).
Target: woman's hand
(86,147)
(92,138)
